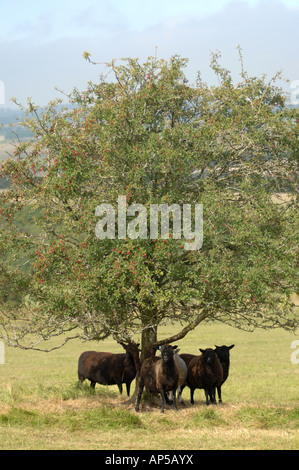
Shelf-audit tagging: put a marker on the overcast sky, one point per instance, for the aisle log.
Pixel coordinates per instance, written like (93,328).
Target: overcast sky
(41,43)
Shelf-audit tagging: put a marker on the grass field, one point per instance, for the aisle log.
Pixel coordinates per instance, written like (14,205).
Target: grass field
(43,407)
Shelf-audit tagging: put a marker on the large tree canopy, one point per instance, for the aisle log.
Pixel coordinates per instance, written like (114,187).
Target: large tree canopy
(144,132)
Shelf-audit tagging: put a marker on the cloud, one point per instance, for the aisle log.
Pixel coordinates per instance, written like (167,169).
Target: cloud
(267,33)
(100,18)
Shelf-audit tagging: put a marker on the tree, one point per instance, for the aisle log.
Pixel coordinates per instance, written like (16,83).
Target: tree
(149,135)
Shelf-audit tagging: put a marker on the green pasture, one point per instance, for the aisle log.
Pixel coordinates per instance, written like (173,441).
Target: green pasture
(42,406)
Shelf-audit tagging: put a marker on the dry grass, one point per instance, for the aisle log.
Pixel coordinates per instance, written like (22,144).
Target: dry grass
(79,424)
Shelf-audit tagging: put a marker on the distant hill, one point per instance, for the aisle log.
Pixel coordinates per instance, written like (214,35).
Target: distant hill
(9,117)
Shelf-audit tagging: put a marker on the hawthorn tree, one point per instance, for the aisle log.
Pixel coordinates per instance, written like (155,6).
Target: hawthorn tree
(144,132)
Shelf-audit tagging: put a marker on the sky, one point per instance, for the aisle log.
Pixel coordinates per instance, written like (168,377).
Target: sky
(42,43)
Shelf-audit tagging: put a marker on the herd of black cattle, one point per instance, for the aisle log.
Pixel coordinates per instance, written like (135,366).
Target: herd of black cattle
(169,372)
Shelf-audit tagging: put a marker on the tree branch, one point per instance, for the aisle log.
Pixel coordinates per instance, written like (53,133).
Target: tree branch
(204,314)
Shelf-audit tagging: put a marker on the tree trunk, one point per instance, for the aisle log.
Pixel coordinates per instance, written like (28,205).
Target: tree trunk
(148,337)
